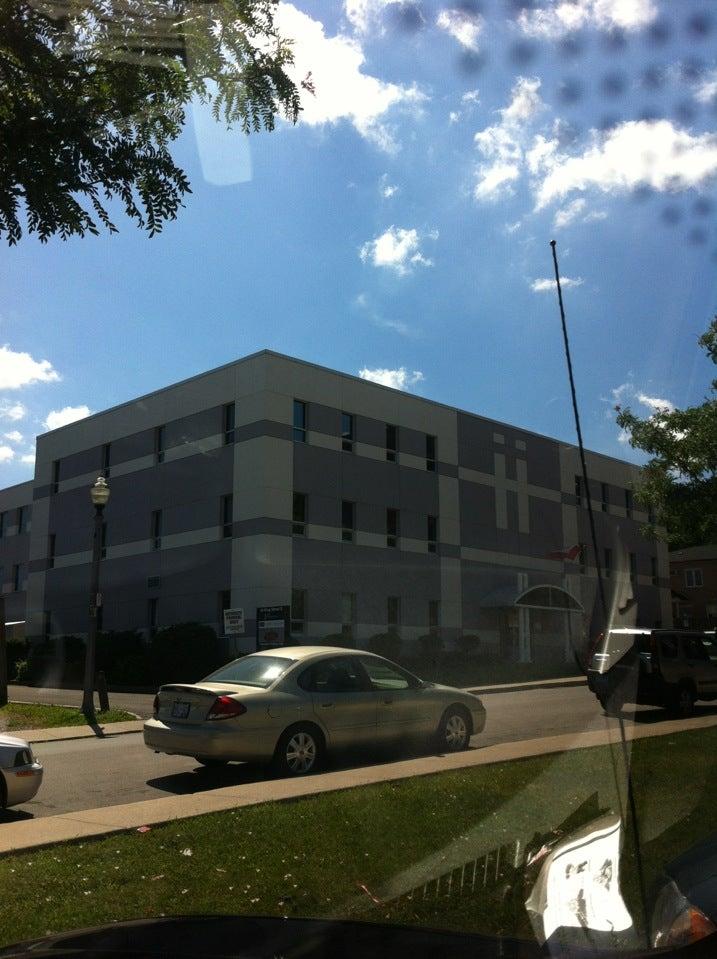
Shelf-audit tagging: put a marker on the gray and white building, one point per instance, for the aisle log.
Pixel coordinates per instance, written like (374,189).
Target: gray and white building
(272,481)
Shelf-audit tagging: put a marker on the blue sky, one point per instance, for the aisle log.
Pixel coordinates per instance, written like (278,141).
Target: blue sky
(402,228)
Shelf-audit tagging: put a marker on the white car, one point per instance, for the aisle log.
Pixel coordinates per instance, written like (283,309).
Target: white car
(20,772)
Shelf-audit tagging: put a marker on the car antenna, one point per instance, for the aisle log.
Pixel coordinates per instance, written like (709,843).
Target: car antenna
(601,590)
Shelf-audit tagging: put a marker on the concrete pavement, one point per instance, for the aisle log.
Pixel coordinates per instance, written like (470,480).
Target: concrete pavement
(27,834)
(62,733)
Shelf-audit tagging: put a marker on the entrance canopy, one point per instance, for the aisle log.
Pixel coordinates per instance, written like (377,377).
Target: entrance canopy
(535,597)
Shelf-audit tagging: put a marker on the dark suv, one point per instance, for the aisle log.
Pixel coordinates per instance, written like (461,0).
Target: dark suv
(655,667)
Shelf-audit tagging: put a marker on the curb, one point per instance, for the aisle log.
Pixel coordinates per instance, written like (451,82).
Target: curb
(534,685)
(60,734)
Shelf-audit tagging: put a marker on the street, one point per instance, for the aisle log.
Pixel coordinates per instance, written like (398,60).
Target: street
(91,773)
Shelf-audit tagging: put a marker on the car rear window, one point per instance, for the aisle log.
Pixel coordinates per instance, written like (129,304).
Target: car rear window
(669,647)
(259,671)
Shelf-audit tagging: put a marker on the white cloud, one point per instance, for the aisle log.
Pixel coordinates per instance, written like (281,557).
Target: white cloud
(463,25)
(28,458)
(363,302)
(343,91)
(12,411)
(400,379)
(558,17)
(20,369)
(502,144)
(471,97)
(387,189)
(706,88)
(569,213)
(655,404)
(364,15)
(68,414)
(543,286)
(627,393)
(510,228)
(7,453)
(454,116)
(15,436)
(594,216)
(636,153)
(396,249)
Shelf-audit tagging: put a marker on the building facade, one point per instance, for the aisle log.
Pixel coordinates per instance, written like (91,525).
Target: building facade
(271,481)
(693,578)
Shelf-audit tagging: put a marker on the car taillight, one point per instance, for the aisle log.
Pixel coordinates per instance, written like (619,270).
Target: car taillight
(224,707)
(155,706)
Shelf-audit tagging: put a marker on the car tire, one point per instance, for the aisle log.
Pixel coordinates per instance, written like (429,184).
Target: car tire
(454,732)
(210,762)
(300,751)
(612,704)
(682,702)
(3,792)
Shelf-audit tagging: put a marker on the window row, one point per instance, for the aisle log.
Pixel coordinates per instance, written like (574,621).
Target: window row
(348,435)
(22,520)
(300,519)
(349,614)
(605,500)
(608,567)
(228,436)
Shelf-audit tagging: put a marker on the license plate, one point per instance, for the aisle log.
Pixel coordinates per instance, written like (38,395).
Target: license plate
(180,710)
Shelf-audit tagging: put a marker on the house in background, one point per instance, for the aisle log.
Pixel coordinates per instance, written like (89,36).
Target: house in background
(693,580)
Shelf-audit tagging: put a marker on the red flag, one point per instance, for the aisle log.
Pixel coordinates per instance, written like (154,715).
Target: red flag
(569,554)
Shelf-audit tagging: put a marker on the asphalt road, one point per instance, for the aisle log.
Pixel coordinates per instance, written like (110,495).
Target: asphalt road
(88,773)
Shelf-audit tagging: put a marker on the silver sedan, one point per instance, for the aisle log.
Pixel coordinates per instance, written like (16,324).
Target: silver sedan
(20,772)
(294,705)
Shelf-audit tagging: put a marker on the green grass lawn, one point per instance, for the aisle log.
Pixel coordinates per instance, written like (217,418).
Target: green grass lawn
(36,716)
(333,855)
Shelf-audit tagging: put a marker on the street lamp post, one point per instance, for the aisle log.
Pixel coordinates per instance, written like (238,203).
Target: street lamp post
(99,494)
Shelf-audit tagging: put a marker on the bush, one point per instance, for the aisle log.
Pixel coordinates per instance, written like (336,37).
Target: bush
(116,650)
(430,645)
(468,644)
(338,639)
(184,653)
(22,672)
(16,651)
(386,644)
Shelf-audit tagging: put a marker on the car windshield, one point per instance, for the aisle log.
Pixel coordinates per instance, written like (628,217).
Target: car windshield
(260,671)
(345,342)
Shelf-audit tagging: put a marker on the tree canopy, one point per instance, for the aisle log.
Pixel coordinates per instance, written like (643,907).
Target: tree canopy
(679,483)
(93,92)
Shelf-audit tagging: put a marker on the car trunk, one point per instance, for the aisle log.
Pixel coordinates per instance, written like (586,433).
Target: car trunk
(188,705)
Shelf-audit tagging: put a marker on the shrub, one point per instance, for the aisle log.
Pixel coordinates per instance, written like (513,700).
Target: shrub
(22,672)
(16,651)
(338,639)
(468,644)
(430,645)
(185,652)
(386,644)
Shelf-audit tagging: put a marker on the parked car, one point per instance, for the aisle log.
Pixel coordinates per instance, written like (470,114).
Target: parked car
(20,772)
(671,668)
(294,705)
(685,908)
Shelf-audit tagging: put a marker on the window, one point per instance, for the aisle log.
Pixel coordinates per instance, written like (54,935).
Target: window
(607,563)
(55,483)
(432,533)
(391,442)
(340,675)
(152,615)
(695,649)
(391,527)
(434,615)
(298,610)
(668,647)
(298,515)
(579,490)
(347,432)
(431,453)
(693,578)
(299,421)
(386,676)
(259,671)
(227,515)
(225,602)
(628,502)
(633,567)
(347,521)
(604,496)
(2,524)
(106,460)
(348,614)
(653,570)
(156,528)
(51,551)
(393,613)
(582,557)
(103,541)
(228,423)
(159,444)
(23,519)
(19,577)
(46,624)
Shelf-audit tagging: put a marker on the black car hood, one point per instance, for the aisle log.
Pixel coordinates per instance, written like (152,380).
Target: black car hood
(271,938)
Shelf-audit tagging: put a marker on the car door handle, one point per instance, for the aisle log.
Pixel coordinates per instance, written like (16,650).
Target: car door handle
(388,702)
(326,705)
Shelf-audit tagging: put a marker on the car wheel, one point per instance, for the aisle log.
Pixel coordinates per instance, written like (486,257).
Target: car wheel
(612,704)
(682,704)
(210,762)
(300,751)
(454,733)
(3,792)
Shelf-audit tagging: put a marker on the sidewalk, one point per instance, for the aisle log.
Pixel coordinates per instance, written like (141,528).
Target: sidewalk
(58,733)
(28,834)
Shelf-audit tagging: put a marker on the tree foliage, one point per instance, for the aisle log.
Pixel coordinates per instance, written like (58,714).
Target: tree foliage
(93,92)
(679,482)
